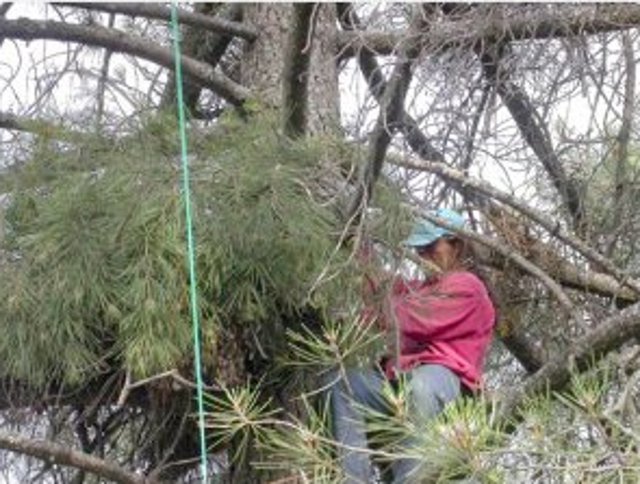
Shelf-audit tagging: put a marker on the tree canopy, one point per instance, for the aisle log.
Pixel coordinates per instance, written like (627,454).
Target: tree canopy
(312,127)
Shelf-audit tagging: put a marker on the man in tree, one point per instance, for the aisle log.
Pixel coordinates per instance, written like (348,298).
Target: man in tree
(444,324)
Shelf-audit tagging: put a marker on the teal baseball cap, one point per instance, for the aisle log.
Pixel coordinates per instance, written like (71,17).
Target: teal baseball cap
(426,232)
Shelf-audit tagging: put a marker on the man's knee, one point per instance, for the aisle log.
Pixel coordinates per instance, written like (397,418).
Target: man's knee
(432,388)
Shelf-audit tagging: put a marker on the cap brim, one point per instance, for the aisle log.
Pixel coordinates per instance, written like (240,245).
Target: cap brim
(421,240)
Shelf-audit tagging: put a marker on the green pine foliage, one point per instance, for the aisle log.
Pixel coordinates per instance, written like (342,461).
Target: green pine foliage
(96,239)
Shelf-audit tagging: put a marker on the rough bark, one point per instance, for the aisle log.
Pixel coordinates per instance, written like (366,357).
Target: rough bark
(520,346)
(296,69)
(263,62)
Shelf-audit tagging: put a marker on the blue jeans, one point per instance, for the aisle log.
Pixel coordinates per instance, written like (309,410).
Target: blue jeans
(430,387)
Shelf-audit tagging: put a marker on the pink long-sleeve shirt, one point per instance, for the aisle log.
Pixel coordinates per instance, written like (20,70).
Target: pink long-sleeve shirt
(447,320)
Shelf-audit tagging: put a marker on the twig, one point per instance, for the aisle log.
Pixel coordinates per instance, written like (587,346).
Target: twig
(173,374)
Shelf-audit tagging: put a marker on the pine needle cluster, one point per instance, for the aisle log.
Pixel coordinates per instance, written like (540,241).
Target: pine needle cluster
(97,273)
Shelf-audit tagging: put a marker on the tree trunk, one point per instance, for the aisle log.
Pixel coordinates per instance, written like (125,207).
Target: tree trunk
(264,61)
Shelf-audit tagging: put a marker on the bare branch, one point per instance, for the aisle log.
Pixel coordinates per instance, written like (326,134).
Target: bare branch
(622,141)
(119,41)
(467,32)
(530,125)
(4,8)
(377,85)
(570,276)
(594,345)
(157,11)
(554,228)
(389,118)
(102,81)
(296,69)
(61,455)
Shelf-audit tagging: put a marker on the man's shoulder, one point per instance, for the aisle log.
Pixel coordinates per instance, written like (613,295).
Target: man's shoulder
(463,280)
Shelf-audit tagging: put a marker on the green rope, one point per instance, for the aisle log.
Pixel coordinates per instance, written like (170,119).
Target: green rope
(191,250)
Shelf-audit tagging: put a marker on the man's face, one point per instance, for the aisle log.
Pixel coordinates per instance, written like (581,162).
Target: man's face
(442,252)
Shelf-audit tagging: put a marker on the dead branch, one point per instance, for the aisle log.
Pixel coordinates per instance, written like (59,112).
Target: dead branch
(389,117)
(534,132)
(157,11)
(470,31)
(118,41)
(102,80)
(377,85)
(555,229)
(584,351)
(622,143)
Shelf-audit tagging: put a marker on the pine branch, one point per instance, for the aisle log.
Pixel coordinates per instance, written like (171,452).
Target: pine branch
(43,127)
(157,11)
(58,454)
(118,41)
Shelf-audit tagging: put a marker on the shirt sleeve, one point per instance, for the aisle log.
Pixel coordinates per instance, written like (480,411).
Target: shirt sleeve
(445,310)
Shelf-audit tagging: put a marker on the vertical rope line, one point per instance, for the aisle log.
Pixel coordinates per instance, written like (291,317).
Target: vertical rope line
(190,242)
